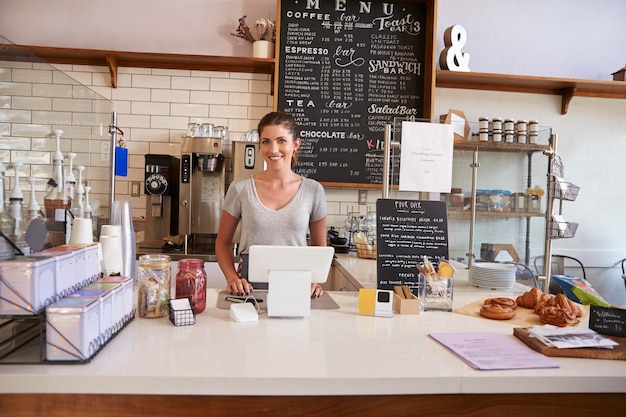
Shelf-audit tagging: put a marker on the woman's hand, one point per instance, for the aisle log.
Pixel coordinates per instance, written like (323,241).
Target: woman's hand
(239,286)
(316,291)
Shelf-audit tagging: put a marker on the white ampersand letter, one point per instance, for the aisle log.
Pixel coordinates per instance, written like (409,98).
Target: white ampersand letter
(452,58)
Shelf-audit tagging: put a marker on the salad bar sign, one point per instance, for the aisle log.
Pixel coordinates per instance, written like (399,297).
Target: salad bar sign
(346,69)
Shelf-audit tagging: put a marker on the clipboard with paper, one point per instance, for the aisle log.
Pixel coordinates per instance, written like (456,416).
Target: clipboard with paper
(426,157)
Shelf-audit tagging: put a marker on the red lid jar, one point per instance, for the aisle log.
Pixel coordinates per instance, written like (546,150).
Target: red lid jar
(191,283)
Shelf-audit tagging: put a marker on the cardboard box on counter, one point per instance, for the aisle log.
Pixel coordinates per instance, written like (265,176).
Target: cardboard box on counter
(406,305)
(404,301)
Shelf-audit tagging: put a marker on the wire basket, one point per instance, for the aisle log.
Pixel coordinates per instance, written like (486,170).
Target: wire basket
(557,166)
(564,190)
(562,230)
(367,251)
(181,316)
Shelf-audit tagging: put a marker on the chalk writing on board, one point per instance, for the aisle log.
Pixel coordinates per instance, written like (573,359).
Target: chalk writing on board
(408,230)
(346,69)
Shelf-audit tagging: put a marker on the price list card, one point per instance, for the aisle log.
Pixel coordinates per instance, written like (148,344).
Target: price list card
(346,69)
(408,230)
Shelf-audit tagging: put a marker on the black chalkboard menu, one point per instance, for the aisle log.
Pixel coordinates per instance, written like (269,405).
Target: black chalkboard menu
(608,320)
(346,68)
(408,230)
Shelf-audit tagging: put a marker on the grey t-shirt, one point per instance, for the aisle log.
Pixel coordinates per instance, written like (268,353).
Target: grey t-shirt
(287,226)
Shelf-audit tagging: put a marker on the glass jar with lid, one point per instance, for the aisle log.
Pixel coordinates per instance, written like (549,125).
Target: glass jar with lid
(154,277)
(456,198)
(191,283)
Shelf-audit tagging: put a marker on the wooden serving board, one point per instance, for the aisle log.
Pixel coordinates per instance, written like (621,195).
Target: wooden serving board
(617,353)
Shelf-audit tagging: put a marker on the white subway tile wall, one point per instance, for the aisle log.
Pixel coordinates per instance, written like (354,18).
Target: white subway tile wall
(154,107)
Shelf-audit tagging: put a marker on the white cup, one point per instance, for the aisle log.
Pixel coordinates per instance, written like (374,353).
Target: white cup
(111,230)
(111,254)
(82,231)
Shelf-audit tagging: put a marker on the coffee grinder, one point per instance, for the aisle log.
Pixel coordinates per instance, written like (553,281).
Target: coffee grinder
(162,191)
(202,190)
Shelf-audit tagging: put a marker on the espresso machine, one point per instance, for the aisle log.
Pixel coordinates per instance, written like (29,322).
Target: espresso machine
(162,192)
(202,190)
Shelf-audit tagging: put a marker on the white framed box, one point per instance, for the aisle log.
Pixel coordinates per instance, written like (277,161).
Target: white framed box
(126,293)
(27,284)
(64,265)
(92,266)
(117,302)
(105,300)
(72,329)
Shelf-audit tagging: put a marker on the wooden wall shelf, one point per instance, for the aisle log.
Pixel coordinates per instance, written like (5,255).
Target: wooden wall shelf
(115,59)
(567,88)
(500,147)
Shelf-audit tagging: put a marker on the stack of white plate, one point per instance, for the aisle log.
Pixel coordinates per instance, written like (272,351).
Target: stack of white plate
(492,275)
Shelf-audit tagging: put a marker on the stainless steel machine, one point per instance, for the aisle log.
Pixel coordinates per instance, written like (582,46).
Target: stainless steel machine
(246,159)
(162,191)
(202,190)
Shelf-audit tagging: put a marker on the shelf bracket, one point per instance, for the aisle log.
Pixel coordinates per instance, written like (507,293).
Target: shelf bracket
(112,64)
(566,96)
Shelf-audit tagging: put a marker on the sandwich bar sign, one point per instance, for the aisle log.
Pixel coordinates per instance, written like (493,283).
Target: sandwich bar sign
(346,68)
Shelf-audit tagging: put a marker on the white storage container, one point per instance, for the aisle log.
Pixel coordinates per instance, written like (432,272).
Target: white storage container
(72,329)
(105,301)
(126,293)
(64,265)
(27,284)
(117,303)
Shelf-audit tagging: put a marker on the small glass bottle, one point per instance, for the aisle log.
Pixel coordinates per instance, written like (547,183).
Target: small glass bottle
(154,277)
(191,283)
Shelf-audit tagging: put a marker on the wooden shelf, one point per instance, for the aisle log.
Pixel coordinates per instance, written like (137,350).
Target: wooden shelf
(115,59)
(564,87)
(466,213)
(500,147)
(567,88)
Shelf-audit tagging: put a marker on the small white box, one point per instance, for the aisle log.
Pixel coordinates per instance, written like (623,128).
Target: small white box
(117,303)
(105,301)
(72,329)
(64,266)
(126,293)
(27,285)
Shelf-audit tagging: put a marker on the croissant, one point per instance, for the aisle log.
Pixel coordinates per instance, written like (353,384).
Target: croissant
(557,316)
(530,298)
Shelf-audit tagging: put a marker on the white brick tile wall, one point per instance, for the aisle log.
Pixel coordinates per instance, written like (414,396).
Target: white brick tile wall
(154,107)
(32,76)
(191,110)
(27,103)
(146,107)
(189,83)
(170,96)
(16,89)
(150,81)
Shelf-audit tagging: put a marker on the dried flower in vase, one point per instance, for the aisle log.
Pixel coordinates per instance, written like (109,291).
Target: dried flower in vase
(265,30)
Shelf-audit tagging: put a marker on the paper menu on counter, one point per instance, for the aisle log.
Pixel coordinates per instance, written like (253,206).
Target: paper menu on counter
(493,351)
(571,337)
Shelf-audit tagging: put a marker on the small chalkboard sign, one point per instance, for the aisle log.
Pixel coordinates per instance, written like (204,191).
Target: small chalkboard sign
(408,230)
(608,320)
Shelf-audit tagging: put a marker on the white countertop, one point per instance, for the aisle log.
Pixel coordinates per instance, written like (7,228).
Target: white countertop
(333,352)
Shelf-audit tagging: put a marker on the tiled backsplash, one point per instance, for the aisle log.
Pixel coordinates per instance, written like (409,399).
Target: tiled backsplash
(154,107)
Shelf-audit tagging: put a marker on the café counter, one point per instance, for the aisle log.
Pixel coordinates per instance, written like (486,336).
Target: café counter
(334,362)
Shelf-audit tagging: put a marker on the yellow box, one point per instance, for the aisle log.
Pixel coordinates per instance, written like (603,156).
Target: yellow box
(406,305)
(377,303)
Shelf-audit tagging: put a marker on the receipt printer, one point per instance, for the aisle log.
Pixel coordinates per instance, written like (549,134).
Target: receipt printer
(377,303)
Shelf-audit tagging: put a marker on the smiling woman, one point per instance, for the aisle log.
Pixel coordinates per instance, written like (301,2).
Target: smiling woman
(275,207)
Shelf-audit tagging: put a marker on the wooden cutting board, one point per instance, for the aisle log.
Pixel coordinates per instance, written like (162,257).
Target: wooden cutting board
(618,352)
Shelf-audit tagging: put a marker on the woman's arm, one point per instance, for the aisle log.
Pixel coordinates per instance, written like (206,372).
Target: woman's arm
(224,253)
(318,238)
(318,232)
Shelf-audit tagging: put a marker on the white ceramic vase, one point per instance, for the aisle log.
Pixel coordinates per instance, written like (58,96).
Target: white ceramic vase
(263,49)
